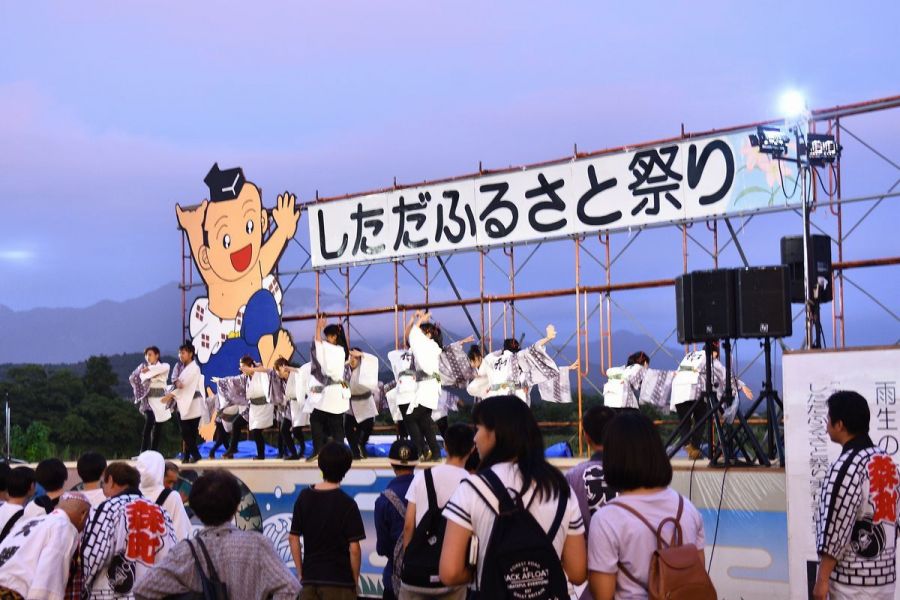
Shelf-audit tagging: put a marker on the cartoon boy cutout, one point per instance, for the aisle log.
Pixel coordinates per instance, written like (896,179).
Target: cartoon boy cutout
(242,312)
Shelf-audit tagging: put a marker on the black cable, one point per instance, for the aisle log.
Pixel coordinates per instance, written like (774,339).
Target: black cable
(718,515)
(828,193)
(691,481)
(781,176)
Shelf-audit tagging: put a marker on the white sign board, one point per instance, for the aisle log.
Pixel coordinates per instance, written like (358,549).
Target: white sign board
(809,378)
(668,183)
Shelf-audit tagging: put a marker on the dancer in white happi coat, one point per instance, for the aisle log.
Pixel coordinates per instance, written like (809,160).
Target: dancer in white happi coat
(279,385)
(425,343)
(513,371)
(235,406)
(687,386)
(360,419)
(187,394)
(330,365)
(298,395)
(402,391)
(262,410)
(623,386)
(149,384)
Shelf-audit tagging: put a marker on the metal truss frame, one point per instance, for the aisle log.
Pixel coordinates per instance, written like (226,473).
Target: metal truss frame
(495,310)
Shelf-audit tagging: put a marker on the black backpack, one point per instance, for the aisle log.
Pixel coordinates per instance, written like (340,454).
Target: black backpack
(520,562)
(423,554)
(211,587)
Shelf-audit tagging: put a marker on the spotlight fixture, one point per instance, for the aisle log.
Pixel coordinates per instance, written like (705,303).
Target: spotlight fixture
(821,149)
(770,140)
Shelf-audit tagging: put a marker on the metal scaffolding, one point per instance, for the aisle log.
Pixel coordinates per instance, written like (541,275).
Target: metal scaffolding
(488,286)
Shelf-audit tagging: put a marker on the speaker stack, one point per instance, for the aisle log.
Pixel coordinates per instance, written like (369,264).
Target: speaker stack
(753,302)
(792,256)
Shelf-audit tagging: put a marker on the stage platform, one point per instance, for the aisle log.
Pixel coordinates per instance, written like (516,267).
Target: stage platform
(749,559)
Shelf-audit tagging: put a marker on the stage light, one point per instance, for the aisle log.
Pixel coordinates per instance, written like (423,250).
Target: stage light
(793,105)
(821,148)
(770,140)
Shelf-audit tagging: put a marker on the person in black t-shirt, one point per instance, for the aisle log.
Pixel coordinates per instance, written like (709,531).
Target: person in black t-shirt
(331,526)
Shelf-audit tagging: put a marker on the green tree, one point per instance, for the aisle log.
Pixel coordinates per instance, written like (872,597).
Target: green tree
(32,444)
(99,377)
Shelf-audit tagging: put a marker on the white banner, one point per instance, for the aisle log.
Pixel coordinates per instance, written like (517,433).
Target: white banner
(809,378)
(669,183)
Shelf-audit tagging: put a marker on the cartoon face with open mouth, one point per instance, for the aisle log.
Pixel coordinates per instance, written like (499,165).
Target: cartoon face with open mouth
(234,230)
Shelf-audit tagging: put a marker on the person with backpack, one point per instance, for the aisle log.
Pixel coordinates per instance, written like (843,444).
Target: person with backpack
(390,514)
(636,538)
(152,467)
(516,521)
(221,562)
(51,474)
(19,488)
(331,526)
(423,530)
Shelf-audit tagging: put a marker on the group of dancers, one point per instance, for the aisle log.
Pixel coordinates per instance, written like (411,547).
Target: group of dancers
(636,383)
(337,393)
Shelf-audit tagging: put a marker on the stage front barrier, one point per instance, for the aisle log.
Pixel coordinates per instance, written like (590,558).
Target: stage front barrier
(809,378)
(749,560)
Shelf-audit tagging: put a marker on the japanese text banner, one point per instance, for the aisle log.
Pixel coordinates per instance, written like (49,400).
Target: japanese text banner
(670,183)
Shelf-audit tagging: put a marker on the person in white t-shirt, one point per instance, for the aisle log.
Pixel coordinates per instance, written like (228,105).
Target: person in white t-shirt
(19,488)
(36,557)
(90,469)
(152,467)
(510,444)
(620,545)
(459,442)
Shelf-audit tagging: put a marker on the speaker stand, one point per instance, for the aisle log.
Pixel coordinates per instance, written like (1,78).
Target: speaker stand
(738,431)
(774,409)
(719,444)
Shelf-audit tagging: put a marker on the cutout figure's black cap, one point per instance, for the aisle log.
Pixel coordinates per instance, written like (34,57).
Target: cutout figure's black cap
(224,185)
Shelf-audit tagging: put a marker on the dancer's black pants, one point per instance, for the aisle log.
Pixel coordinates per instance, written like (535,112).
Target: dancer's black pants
(325,426)
(189,433)
(358,434)
(421,430)
(152,431)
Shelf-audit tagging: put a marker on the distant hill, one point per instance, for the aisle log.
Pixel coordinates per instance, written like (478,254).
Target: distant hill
(69,335)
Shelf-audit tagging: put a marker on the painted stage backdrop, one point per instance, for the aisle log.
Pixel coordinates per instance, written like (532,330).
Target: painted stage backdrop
(236,251)
(746,545)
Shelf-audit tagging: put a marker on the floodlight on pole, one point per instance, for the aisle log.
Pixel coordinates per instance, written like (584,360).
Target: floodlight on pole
(792,105)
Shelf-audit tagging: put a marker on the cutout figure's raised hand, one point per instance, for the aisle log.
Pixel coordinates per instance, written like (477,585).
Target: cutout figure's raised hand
(285,214)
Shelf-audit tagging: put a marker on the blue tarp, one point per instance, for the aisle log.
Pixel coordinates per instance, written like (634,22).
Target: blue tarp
(247,449)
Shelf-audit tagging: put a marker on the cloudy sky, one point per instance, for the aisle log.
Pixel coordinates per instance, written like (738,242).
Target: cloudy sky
(112,112)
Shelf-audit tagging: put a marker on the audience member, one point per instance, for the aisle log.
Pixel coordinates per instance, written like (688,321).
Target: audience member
(621,543)
(331,526)
(244,561)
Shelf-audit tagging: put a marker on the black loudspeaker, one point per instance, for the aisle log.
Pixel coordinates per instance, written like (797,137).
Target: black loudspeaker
(792,257)
(763,304)
(705,305)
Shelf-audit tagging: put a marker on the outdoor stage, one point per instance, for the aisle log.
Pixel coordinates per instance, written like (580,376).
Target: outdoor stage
(747,546)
